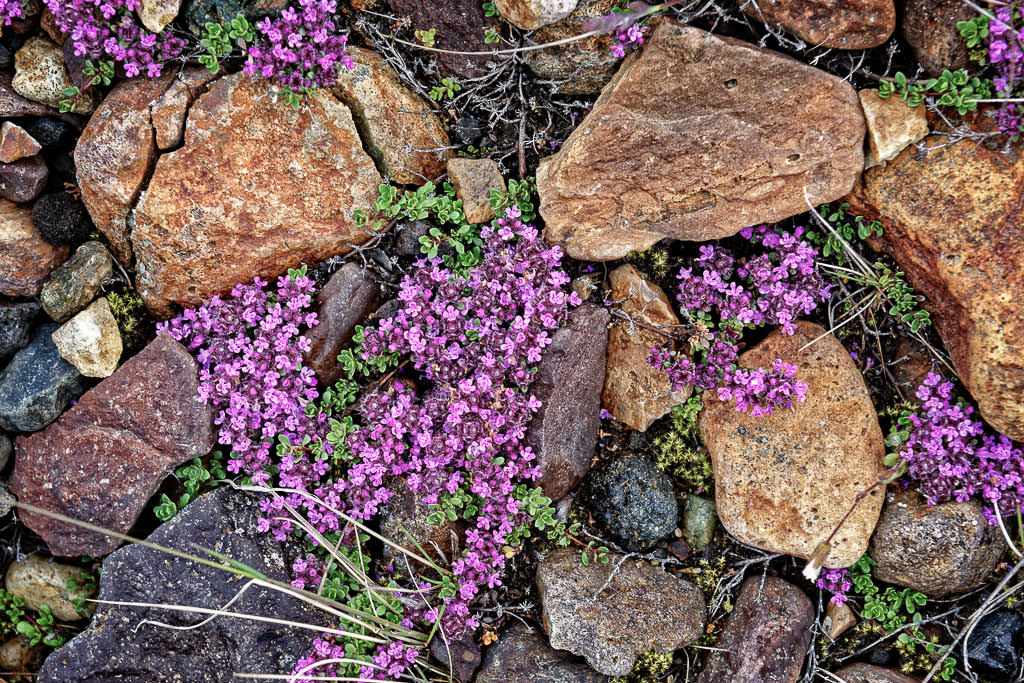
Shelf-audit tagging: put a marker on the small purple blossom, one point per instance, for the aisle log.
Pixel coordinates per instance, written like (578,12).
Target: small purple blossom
(837,582)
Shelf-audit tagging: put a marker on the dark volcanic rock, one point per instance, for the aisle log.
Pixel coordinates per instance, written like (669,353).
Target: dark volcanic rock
(765,637)
(60,219)
(106,456)
(994,646)
(930,28)
(344,302)
(37,384)
(460,657)
(633,501)
(460,26)
(117,647)
(521,655)
(563,432)
(15,324)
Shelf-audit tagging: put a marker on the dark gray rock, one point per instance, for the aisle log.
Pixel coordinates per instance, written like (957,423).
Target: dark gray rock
(6,448)
(116,647)
(563,432)
(74,284)
(50,132)
(407,238)
(521,655)
(461,658)
(37,384)
(15,323)
(403,519)
(994,647)
(23,180)
(867,673)
(633,501)
(699,521)
(7,499)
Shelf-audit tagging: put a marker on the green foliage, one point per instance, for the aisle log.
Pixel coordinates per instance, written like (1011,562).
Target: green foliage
(520,193)
(37,626)
(594,553)
(100,73)
(427,37)
(905,304)
(354,365)
(653,261)
(128,310)
(193,478)
(491,36)
(974,32)
(899,431)
(490,10)
(679,451)
(448,88)
(955,89)
(218,40)
(650,667)
(85,584)
(848,227)
(709,573)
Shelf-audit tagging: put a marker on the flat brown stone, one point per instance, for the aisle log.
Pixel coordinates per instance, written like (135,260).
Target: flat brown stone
(25,258)
(843,24)
(16,144)
(868,673)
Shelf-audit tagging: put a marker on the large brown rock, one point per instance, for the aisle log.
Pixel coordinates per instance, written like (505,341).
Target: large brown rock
(347,299)
(563,432)
(25,258)
(843,24)
(868,673)
(954,221)
(783,482)
(635,392)
(930,28)
(522,656)
(766,636)
(687,142)
(610,613)
(941,550)
(102,460)
(257,188)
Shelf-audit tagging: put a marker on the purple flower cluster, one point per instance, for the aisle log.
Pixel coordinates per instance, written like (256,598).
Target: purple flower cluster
(632,36)
(1006,54)
(389,662)
(837,582)
(722,296)
(107,29)
(250,347)
(950,457)
(9,11)
(302,48)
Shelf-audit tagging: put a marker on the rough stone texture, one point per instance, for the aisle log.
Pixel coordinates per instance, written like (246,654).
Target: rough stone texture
(563,432)
(115,647)
(642,609)
(7,499)
(399,128)
(15,324)
(838,619)
(460,657)
(521,655)
(687,142)
(699,522)
(954,221)
(892,126)
(632,501)
(241,200)
(103,459)
(40,75)
(941,550)
(868,673)
(930,28)
(18,654)
(347,299)
(74,283)
(784,481)
(114,156)
(843,24)
(16,143)
(910,367)
(157,14)
(994,647)
(169,111)
(635,392)
(12,104)
(460,26)
(473,180)
(765,637)
(406,510)
(37,384)
(23,180)
(45,582)
(6,448)
(91,340)
(531,14)
(581,67)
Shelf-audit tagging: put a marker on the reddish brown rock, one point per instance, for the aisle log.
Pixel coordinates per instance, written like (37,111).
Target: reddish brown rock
(954,221)
(766,636)
(243,199)
(930,28)
(102,460)
(23,180)
(783,482)
(580,67)
(25,258)
(400,129)
(843,24)
(16,144)
(474,180)
(868,673)
(635,392)
(169,111)
(347,299)
(687,142)
(563,432)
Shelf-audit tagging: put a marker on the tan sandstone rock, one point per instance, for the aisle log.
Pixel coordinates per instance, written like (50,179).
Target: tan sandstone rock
(531,14)
(892,126)
(91,340)
(157,14)
(40,75)
(473,180)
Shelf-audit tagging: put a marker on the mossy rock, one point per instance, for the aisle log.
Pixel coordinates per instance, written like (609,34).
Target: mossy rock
(200,12)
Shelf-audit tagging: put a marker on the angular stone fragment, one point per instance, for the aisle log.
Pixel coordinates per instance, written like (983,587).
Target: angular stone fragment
(25,259)
(12,104)
(954,221)
(843,24)
(635,392)
(169,111)
(347,299)
(993,648)
(930,28)
(91,340)
(839,619)
(37,384)
(521,655)
(157,14)
(241,199)
(942,550)
(15,324)
(580,67)
(76,282)
(40,75)
(23,180)
(103,459)
(687,142)
(16,144)
(641,609)
(892,126)
(531,14)
(766,636)
(42,581)
(784,481)
(563,432)
(116,647)
(399,128)
(473,180)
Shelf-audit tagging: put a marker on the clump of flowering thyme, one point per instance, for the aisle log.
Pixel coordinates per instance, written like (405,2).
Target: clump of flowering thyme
(10,10)
(837,582)
(721,296)
(1006,54)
